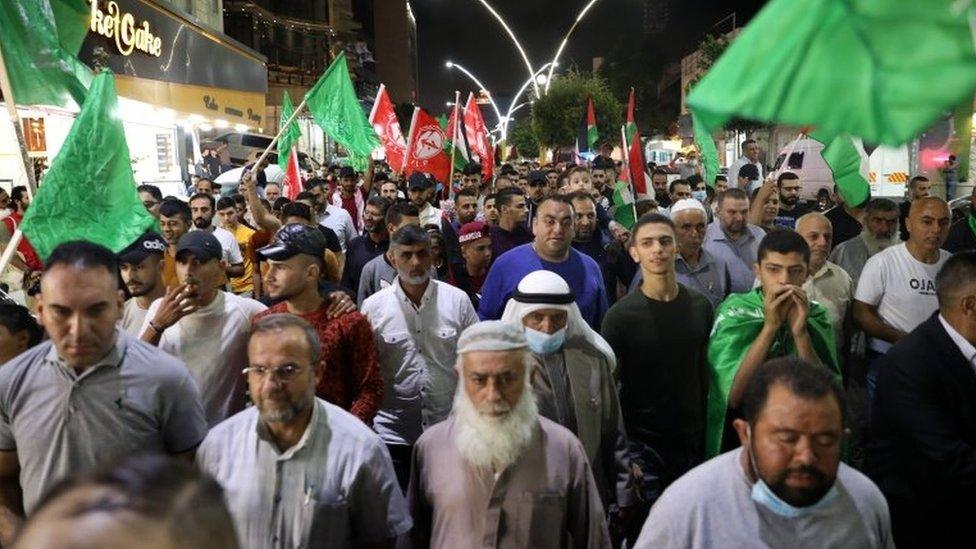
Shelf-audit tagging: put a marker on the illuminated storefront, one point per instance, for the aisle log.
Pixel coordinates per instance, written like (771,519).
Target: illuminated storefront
(176,79)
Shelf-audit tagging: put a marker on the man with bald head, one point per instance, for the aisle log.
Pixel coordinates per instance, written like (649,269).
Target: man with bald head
(828,284)
(896,291)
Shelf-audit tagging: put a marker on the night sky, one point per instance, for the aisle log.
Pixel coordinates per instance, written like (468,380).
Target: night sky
(464,31)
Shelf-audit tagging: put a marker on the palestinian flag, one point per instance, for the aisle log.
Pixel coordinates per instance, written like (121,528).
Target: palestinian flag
(586,140)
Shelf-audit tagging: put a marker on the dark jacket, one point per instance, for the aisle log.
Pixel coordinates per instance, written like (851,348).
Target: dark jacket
(922,452)
(960,237)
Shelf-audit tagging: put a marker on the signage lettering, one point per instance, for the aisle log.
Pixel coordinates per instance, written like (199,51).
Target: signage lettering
(210,103)
(112,23)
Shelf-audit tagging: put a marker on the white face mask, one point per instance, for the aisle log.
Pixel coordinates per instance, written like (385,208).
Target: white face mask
(764,495)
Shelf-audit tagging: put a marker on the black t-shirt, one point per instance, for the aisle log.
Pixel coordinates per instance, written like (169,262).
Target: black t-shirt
(662,360)
(845,227)
(787,218)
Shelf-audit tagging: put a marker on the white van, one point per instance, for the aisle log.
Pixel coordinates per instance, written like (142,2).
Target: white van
(240,146)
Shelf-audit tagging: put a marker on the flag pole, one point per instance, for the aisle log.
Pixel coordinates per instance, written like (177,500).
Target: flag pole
(281,132)
(454,132)
(8,98)
(11,249)
(626,163)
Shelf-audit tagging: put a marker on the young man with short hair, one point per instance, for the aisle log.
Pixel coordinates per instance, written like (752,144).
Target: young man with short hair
(374,241)
(203,208)
(776,319)
(141,268)
(230,221)
(510,230)
(662,400)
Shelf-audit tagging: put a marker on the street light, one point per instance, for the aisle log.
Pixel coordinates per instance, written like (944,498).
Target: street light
(515,98)
(562,44)
(453,65)
(525,58)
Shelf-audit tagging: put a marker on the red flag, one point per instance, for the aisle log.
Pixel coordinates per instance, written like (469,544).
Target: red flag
(425,148)
(384,121)
(293,176)
(635,153)
(477,134)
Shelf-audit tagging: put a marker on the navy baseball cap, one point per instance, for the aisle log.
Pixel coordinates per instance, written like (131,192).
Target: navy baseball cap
(202,244)
(419,181)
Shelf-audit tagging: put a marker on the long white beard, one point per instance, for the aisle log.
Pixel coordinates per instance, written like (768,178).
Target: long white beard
(876,245)
(487,442)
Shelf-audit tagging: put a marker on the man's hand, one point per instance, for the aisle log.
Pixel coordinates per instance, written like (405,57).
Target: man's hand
(175,305)
(775,306)
(797,314)
(339,304)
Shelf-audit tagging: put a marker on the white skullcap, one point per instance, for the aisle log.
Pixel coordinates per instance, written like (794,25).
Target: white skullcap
(547,285)
(492,335)
(687,204)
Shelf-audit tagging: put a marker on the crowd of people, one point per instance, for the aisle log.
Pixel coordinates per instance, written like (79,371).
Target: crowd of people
(495,361)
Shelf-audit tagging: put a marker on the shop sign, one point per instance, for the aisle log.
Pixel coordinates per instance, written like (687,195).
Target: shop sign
(121,26)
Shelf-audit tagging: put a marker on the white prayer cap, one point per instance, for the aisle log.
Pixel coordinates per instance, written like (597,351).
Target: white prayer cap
(543,287)
(687,204)
(491,335)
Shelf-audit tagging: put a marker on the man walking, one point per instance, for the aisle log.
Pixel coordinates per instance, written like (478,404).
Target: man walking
(90,394)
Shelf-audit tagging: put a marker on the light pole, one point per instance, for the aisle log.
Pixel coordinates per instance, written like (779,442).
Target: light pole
(534,79)
(525,58)
(453,65)
(559,51)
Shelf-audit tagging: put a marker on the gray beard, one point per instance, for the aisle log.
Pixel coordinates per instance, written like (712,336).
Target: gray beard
(494,443)
(290,412)
(876,245)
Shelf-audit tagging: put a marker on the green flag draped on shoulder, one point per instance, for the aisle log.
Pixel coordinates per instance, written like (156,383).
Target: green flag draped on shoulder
(89,192)
(335,108)
(40,40)
(292,133)
(881,70)
(738,321)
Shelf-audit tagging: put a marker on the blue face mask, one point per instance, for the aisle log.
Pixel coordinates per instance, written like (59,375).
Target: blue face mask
(699,196)
(542,343)
(764,495)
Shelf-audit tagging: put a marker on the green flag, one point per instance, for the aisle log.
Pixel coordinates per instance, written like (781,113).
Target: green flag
(333,104)
(291,135)
(738,321)
(849,168)
(706,146)
(40,39)
(881,70)
(89,192)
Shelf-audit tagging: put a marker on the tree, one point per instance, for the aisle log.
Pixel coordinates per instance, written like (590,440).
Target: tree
(556,116)
(521,134)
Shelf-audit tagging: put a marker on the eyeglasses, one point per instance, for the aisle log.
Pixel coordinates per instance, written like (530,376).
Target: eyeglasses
(284,373)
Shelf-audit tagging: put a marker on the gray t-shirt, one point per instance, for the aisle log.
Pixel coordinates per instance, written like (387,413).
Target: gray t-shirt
(136,399)
(133,317)
(712,506)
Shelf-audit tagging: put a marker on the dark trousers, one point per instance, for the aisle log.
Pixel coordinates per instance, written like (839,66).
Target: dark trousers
(400,454)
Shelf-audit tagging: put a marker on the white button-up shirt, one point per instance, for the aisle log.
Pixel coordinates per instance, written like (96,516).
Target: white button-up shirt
(430,215)
(965,347)
(417,348)
(334,488)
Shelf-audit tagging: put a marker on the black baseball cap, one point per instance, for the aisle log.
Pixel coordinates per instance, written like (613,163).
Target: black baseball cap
(537,176)
(419,180)
(202,244)
(294,239)
(146,245)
